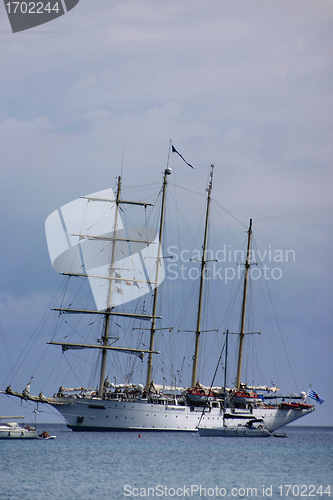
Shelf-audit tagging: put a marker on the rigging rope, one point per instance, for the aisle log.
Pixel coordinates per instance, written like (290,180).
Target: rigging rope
(278,326)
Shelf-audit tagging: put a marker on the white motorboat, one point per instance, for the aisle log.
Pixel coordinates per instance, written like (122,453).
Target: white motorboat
(12,430)
(234,431)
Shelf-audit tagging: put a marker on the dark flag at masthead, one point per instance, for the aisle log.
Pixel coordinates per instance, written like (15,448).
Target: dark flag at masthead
(174,150)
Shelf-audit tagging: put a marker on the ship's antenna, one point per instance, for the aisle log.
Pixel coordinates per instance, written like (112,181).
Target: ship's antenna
(170,146)
(122,160)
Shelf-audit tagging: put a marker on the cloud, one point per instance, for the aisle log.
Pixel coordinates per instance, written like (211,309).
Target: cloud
(16,129)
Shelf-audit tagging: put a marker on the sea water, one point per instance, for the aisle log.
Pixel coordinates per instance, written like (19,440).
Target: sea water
(111,465)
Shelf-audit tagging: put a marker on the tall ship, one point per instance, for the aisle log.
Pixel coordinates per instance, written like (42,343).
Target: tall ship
(122,266)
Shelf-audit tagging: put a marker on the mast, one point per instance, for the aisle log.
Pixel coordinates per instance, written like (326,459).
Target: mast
(202,277)
(225,372)
(153,324)
(241,335)
(105,336)
(225,365)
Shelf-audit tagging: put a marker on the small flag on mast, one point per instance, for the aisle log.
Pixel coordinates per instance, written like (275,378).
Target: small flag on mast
(174,150)
(313,395)
(119,280)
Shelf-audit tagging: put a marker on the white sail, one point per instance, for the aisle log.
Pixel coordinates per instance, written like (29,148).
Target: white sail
(80,236)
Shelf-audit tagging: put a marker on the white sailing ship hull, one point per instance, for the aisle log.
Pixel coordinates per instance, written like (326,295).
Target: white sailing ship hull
(140,415)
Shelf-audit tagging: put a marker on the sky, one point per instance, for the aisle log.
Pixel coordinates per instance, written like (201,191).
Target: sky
(246,85)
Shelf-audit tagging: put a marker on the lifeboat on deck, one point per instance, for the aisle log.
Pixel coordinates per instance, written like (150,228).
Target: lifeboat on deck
(294,406)
(244,396)
(199,395)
